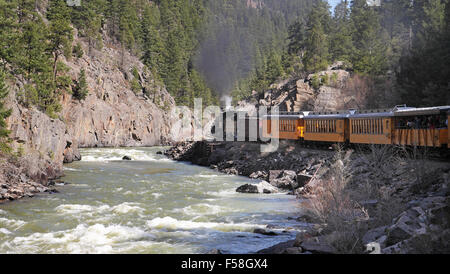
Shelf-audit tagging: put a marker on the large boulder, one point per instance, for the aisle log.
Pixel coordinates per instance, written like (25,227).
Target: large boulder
(283,179)
(317,245)
(262,187)
(405,227)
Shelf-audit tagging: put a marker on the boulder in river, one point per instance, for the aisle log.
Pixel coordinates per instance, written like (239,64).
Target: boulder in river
(126,158)
(248,188)
(262,187)
(264,232)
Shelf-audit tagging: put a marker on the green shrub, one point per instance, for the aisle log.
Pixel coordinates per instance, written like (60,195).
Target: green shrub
(81,88)
(77,51)
(315,81)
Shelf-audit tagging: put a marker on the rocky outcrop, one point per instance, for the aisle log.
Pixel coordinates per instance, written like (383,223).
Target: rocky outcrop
(316,92)
(16,184)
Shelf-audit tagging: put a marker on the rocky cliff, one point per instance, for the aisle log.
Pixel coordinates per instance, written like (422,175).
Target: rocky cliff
(113,114)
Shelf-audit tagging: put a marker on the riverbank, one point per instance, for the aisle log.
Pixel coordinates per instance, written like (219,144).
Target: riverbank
(397,200)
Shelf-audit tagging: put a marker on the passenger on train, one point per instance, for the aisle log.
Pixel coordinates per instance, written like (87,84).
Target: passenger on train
(410,124)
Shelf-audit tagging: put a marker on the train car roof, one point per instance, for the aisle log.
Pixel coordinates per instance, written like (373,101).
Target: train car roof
(373,113)
(408,111)
(283,116)
(326,114)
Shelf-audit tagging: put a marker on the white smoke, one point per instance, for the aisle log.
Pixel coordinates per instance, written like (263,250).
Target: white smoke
(226,102)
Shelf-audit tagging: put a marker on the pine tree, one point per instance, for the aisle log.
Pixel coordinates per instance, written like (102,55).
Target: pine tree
(81,90)
(424,75)
(297,37)
(88,19)
(60,33)
(8,31)
(4,113)
(317,43)
(153,46)
(369,54)
(341,44)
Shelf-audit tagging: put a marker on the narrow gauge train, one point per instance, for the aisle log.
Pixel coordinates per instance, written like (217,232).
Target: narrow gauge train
(408,126)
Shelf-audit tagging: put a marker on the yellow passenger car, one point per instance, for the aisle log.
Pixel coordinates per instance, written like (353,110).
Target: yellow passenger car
(326,127)
(283,126)
(371,127)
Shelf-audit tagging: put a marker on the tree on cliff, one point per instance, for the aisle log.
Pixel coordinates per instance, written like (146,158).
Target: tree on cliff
(60,32)
(4,113)
(88,19)
(81,89)
(317,43)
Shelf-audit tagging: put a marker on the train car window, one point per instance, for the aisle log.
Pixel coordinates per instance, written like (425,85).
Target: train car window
(376,126)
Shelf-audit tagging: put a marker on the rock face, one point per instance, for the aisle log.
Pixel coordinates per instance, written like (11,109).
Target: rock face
(44,141)
(111,115)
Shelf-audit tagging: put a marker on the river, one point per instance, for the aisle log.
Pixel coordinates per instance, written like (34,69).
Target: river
(150,205)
